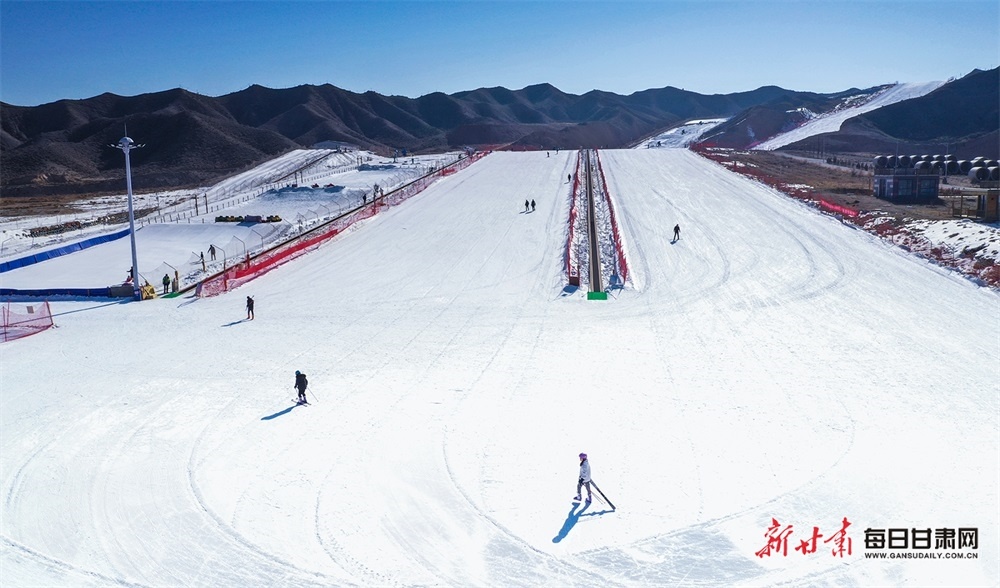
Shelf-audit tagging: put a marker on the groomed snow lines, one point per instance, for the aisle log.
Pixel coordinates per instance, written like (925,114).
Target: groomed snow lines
(594,255)
(265,261)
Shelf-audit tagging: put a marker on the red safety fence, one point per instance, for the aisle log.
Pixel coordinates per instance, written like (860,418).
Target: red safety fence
(25,319)
(265,261)
(572,273)
(839,209)
(616,234)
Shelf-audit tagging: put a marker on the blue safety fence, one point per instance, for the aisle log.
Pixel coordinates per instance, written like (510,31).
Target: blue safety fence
(64,250)
(105,292)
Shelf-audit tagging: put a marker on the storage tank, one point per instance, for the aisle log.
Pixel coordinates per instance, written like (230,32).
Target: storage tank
(964,166)
(951,167)
(925,158)
(903,161)
(977,161)
(937,157)
(990,163)
(922,165)
(890,160)
(880,161)
(979,173)
(950,158)
(994,173)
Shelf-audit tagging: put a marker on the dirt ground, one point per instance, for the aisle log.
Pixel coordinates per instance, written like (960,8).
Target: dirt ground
(29,206)
(851,187)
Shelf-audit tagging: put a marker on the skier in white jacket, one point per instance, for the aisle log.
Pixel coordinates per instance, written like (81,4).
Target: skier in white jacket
(584,478)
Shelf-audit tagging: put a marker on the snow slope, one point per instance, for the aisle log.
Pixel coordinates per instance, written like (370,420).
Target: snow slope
(164,246)
(680,136)
(773,363)
(830,122)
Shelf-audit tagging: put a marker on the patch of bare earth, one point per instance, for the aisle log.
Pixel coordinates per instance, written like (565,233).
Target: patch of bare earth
(31,206)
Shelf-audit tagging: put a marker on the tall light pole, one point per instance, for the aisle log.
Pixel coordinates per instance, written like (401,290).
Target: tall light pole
(126,144)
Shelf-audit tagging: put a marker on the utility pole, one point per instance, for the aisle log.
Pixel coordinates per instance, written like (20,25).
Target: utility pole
(126,144)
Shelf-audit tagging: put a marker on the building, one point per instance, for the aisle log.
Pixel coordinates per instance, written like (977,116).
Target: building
(906,184)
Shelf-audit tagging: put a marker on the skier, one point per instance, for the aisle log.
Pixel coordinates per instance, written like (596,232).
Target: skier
(677,232)
(250,308)
(532,206)
(300,385)
(584,479)
(569,177)
(166,283)
(526,204)
(211,251)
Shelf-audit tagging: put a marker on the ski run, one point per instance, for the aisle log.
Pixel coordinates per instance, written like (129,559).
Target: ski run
(773,366)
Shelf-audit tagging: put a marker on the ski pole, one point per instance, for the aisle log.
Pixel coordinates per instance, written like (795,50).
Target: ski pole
(313,395)
(594,484)
(599,499)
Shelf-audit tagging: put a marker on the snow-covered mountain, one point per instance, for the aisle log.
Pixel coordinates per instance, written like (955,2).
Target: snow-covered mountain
(830,121)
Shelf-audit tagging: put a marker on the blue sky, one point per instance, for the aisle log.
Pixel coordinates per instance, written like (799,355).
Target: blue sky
(55,50)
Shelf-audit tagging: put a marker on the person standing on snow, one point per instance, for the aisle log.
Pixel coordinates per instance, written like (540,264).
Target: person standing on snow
(532,206)
(526,205)
(677,232)
(300,385)
(584,479)
(250,308)
(166,283)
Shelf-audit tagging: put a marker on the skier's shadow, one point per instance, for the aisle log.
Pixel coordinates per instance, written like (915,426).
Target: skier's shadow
(574,517)
(235,322)
(279,413)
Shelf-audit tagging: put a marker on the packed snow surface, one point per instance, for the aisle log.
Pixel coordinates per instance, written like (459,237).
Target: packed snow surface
(180,232)
(830,122)
(772,364)
(681,135)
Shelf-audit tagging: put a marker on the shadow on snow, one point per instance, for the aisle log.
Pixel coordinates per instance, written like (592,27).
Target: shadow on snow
(574,517)
(279,413)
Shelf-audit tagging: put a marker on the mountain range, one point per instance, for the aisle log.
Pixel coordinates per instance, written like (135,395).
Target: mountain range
(191,140)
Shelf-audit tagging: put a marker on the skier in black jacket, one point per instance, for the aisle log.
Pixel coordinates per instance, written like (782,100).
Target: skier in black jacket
(300,385)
